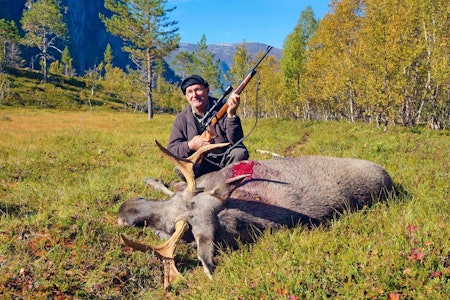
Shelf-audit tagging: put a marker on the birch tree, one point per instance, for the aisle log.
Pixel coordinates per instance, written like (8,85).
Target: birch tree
(238,70)
(435,26)
(293,63)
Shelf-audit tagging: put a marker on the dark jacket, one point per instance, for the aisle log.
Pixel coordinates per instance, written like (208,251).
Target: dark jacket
(185,128)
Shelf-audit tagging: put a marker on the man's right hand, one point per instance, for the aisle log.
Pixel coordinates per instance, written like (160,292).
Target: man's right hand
(197,142)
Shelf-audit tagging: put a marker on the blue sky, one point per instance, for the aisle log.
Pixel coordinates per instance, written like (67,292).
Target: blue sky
(233,21)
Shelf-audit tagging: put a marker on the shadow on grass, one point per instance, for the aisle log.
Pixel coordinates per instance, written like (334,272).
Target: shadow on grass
(400,194)
(8,209)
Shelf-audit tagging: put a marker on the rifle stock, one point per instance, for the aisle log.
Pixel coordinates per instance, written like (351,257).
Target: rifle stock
(209,131)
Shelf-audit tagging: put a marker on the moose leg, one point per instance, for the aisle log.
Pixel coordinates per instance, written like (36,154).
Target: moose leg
(158,185)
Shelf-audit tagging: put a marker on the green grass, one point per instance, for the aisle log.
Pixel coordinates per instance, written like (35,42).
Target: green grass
(26,89)
(63,176)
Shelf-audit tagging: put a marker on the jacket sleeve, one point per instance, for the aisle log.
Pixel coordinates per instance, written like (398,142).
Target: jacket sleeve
(178,140)
(233,129)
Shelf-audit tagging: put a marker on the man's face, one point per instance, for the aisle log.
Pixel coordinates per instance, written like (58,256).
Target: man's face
(197,97)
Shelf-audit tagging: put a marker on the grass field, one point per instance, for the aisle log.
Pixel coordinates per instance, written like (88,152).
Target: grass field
(63,176)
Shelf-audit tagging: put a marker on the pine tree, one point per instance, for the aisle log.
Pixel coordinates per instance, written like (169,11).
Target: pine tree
(66,60)
(148,34)
(201,62)
(206,65)
(43,25)
(108,55)
(184,63)
(9,37)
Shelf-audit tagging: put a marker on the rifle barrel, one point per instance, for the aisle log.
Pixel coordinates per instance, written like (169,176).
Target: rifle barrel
(238,91)
(252,72)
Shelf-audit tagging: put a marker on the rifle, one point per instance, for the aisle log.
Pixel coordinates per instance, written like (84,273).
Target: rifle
(212,116)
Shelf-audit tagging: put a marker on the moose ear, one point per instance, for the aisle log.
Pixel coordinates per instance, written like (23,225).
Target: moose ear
(224,190)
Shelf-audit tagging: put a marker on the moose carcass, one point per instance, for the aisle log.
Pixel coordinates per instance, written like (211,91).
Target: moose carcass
(248,195)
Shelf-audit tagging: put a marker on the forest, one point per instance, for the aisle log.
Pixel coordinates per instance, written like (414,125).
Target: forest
(374,61)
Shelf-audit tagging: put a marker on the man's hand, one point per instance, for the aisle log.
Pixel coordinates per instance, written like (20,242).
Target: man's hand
(197,142)
(233,103)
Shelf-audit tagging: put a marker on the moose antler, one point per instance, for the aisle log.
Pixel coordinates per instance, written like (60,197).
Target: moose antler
(186,165)
(167,250)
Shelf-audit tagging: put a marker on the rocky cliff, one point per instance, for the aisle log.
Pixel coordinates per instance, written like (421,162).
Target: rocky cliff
(87,36)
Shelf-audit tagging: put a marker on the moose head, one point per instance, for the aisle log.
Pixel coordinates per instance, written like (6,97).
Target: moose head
(188,208)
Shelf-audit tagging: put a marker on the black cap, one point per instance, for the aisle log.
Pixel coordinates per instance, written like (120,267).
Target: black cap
(191,80)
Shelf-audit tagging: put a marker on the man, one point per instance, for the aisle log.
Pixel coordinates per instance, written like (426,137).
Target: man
(186,138)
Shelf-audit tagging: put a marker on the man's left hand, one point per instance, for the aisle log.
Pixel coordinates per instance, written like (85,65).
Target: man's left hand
(233,103)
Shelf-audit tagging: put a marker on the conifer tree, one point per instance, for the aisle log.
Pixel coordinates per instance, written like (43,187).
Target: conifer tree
(9,37)
(184,63)
(108,55)
(206,65)
(201,62)
(106,66)
(43,25)
(147,32)
(66,60)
